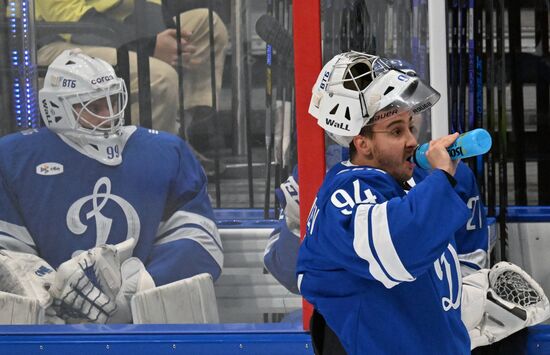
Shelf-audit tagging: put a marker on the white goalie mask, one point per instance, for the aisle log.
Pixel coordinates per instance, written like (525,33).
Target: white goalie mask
(355,89)
(83,101)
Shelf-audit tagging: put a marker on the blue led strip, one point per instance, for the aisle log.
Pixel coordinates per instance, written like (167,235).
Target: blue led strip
(21,49)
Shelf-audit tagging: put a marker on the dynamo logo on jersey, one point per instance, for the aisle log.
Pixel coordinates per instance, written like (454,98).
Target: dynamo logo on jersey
(48,169)
(100,196)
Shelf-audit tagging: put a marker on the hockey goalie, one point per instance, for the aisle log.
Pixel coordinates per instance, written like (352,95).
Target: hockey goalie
(102,222)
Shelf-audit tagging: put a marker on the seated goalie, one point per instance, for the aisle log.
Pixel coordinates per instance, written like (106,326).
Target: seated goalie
(495,302)
(94,212)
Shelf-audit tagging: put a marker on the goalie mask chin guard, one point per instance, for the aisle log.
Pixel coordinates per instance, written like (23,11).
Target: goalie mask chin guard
(84,100)
(355,89)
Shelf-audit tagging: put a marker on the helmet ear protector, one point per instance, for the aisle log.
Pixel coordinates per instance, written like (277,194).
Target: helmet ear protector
(355,89)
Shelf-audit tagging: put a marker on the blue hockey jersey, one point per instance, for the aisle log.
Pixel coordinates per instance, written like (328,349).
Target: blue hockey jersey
(472,238)
(55,201)
(381,264)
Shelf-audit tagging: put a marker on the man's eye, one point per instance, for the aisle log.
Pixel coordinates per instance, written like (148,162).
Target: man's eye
(396,132)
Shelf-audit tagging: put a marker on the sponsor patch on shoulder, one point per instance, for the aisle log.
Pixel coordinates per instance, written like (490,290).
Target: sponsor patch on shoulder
(48,169)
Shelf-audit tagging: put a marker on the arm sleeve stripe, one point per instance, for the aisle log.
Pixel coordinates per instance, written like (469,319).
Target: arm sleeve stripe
(199,236)
(187,230)
(9,243)
(181,219)
(373,243)
(16,237)
(383,244)
(362,247)
(476,259)
(272,240)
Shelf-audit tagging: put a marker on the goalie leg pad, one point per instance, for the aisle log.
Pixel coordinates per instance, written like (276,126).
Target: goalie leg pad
(26,275)
(191,300)
(16,309)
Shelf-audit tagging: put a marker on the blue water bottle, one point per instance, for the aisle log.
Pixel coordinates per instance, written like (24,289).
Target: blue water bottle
(468,144)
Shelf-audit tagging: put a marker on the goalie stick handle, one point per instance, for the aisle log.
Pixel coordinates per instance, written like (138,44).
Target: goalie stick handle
(272,32)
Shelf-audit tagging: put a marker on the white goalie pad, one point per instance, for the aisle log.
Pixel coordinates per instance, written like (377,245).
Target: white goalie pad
(191,300)
(513,301)
(16,309)
(24,283)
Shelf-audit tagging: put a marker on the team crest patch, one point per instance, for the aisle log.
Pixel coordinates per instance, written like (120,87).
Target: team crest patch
(48,169)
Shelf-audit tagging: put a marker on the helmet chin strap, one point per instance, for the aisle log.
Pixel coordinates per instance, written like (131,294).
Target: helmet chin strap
(106,150)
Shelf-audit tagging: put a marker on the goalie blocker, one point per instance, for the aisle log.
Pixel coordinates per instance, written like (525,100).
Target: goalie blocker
(500,301)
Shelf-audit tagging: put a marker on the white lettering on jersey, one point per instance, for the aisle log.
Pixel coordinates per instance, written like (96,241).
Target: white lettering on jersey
(103,224)
(312,217)
(474,206)
(453,301)
(342,200)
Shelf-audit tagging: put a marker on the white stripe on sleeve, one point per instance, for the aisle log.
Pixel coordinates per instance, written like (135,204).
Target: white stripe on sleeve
(477,257)
(183,225)
(17,238)
(388,267)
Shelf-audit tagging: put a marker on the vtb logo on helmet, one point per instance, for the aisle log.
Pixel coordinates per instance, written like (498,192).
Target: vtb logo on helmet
(355,89)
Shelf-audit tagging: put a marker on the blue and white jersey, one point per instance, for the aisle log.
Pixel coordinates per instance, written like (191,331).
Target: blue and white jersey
(381,264)
(472,238)
(55,201)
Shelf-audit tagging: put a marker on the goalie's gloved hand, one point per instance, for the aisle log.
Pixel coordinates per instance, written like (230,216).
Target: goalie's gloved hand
(291,210)
(513,301)
(94,286)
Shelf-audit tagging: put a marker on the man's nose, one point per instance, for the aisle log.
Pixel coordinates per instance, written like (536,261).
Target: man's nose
(411,139)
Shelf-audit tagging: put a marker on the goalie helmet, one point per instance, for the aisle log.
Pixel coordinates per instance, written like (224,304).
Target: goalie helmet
(83,100)
(356,89)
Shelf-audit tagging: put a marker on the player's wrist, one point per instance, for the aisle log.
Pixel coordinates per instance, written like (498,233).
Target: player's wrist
(450,178)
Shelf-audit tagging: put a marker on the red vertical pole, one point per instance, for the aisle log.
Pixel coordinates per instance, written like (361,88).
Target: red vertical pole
(311,141)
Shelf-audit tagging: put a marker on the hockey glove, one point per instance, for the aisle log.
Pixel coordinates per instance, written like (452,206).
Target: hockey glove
(513,301)
(292,205)
(95,287)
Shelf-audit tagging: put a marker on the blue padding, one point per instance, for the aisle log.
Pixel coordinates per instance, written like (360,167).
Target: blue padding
(528,214)
(285,327)
(254,217)
(243,218)
(241,213)
(207,339)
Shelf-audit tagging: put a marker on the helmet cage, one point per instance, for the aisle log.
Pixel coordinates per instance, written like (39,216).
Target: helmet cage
(83,94)
(79,105)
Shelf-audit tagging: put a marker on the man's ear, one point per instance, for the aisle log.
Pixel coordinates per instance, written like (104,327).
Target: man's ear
(363,145)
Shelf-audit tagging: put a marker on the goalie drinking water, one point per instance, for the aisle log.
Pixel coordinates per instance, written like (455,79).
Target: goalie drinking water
(94,212)
(379,260)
